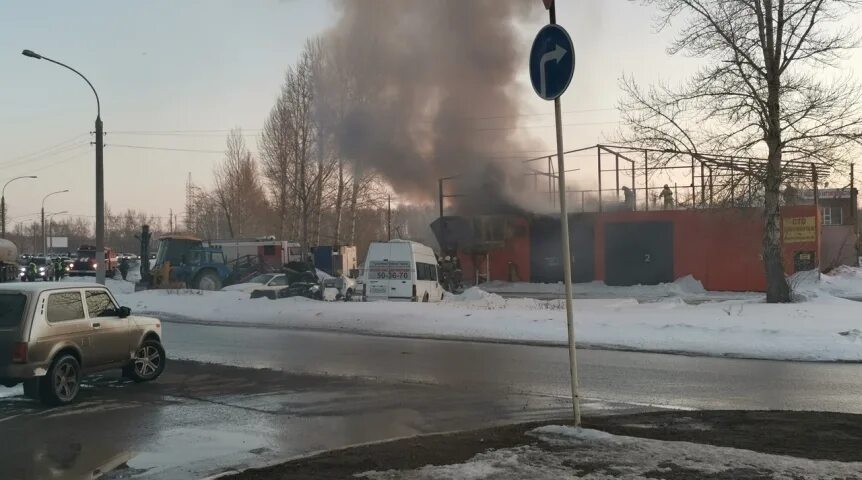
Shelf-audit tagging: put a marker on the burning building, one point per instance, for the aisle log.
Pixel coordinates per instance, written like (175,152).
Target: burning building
(714,234)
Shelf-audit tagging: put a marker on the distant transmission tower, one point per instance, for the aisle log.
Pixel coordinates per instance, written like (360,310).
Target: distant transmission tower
(190,205)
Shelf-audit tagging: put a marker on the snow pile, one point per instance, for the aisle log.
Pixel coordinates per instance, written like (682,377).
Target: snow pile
(603,456)
(477,299)
(844,282)
(688,288)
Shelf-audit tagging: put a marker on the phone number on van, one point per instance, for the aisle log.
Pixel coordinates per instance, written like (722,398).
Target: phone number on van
(389,271)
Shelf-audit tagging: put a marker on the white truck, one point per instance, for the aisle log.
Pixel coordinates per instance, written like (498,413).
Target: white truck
(8,261)
(401,270)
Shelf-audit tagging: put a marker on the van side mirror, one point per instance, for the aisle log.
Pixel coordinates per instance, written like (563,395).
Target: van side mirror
(124,312)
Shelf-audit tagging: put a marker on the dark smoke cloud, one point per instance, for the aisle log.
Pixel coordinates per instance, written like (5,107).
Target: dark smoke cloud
(418,74)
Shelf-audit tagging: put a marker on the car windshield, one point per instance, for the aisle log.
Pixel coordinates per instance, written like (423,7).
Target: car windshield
(11,309)
(261,279)
(39,260)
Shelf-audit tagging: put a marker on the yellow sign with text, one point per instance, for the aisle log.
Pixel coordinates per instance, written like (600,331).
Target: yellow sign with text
(800,229)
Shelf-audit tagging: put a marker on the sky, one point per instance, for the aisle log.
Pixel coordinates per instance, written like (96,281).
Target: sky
(175,76)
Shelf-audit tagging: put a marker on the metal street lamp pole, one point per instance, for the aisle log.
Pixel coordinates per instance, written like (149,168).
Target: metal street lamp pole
(51,222)
(100,173)
(3,205)
(44,238)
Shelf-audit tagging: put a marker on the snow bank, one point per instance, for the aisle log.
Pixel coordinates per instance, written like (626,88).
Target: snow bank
(687,288)
(606,456)
(476,298)
(829,329)
(844,282)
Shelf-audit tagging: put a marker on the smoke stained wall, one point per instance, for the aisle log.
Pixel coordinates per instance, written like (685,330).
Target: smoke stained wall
(414,85)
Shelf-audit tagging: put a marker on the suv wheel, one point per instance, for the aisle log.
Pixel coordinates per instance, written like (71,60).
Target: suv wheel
(148,364)
(63,381)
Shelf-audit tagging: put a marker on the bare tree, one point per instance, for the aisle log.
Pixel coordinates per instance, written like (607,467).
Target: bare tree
(762,92)
(275,159)
(237,187)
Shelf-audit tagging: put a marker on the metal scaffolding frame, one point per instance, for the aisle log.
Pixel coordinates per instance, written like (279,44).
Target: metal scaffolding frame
(716,180)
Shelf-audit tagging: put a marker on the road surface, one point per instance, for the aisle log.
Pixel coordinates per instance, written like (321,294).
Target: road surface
(289,393)
(628,377)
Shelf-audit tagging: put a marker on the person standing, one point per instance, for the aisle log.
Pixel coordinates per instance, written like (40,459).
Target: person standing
(124,267)
(628,198)
(667,197)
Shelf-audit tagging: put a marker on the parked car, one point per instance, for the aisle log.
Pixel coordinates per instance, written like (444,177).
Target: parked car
(299,284)
(51,334)
(44,269)
(401,270)
(345,287)
(264,281)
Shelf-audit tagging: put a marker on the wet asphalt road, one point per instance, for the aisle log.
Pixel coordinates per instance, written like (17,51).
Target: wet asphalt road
(627,377)
(329,390)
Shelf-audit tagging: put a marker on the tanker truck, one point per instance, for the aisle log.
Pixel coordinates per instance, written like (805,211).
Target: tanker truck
(8,261)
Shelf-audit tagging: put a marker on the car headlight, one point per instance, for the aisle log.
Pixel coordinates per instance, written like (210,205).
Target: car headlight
(23,269)
(95,264)
(41,269)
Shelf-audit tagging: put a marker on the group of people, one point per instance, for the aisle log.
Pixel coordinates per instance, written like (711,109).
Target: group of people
(666,196)
(451,274)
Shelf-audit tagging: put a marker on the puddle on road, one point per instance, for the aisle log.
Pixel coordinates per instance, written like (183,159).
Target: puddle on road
(191,446)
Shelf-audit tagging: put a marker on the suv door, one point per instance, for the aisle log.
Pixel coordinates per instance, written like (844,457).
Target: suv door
(63,322)
(110,332)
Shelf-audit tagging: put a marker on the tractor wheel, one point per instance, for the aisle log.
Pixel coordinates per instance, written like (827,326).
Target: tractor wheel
(207,281)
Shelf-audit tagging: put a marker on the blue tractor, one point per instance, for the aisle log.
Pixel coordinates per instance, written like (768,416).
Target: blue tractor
(185,261)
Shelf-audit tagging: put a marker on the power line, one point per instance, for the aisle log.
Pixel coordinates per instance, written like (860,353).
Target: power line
(46,153)
(166,132)
(67,159)
(46,149)
(169,149)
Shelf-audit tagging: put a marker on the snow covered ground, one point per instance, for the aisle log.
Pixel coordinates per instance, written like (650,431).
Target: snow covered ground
(686,288)
(821,327)
(595,455)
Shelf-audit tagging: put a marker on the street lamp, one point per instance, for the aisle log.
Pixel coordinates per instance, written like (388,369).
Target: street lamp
(51,223)
(3,205)
(100,173)
(44,238)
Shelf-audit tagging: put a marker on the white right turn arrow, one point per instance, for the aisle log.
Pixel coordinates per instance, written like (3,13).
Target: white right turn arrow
(556,55)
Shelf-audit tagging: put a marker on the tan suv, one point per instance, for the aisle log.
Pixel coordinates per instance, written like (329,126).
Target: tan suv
(52,333)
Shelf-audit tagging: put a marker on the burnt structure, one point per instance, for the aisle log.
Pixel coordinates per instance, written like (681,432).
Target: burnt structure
(713,231)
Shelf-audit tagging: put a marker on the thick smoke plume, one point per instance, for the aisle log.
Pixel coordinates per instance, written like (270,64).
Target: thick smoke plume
(415,84)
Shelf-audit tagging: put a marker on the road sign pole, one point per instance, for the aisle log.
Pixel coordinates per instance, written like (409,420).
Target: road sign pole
(567,256)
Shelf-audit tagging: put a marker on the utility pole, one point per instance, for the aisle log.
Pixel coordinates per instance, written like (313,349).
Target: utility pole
(389,217)
(100,200)
(440,195)
(171,220)
(100,174)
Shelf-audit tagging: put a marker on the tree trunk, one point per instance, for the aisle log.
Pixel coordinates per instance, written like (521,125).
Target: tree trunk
(339,199)
(354,199)
(777,289)
(319,193)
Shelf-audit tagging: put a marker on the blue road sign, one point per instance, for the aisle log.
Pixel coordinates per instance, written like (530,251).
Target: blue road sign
(552,61)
